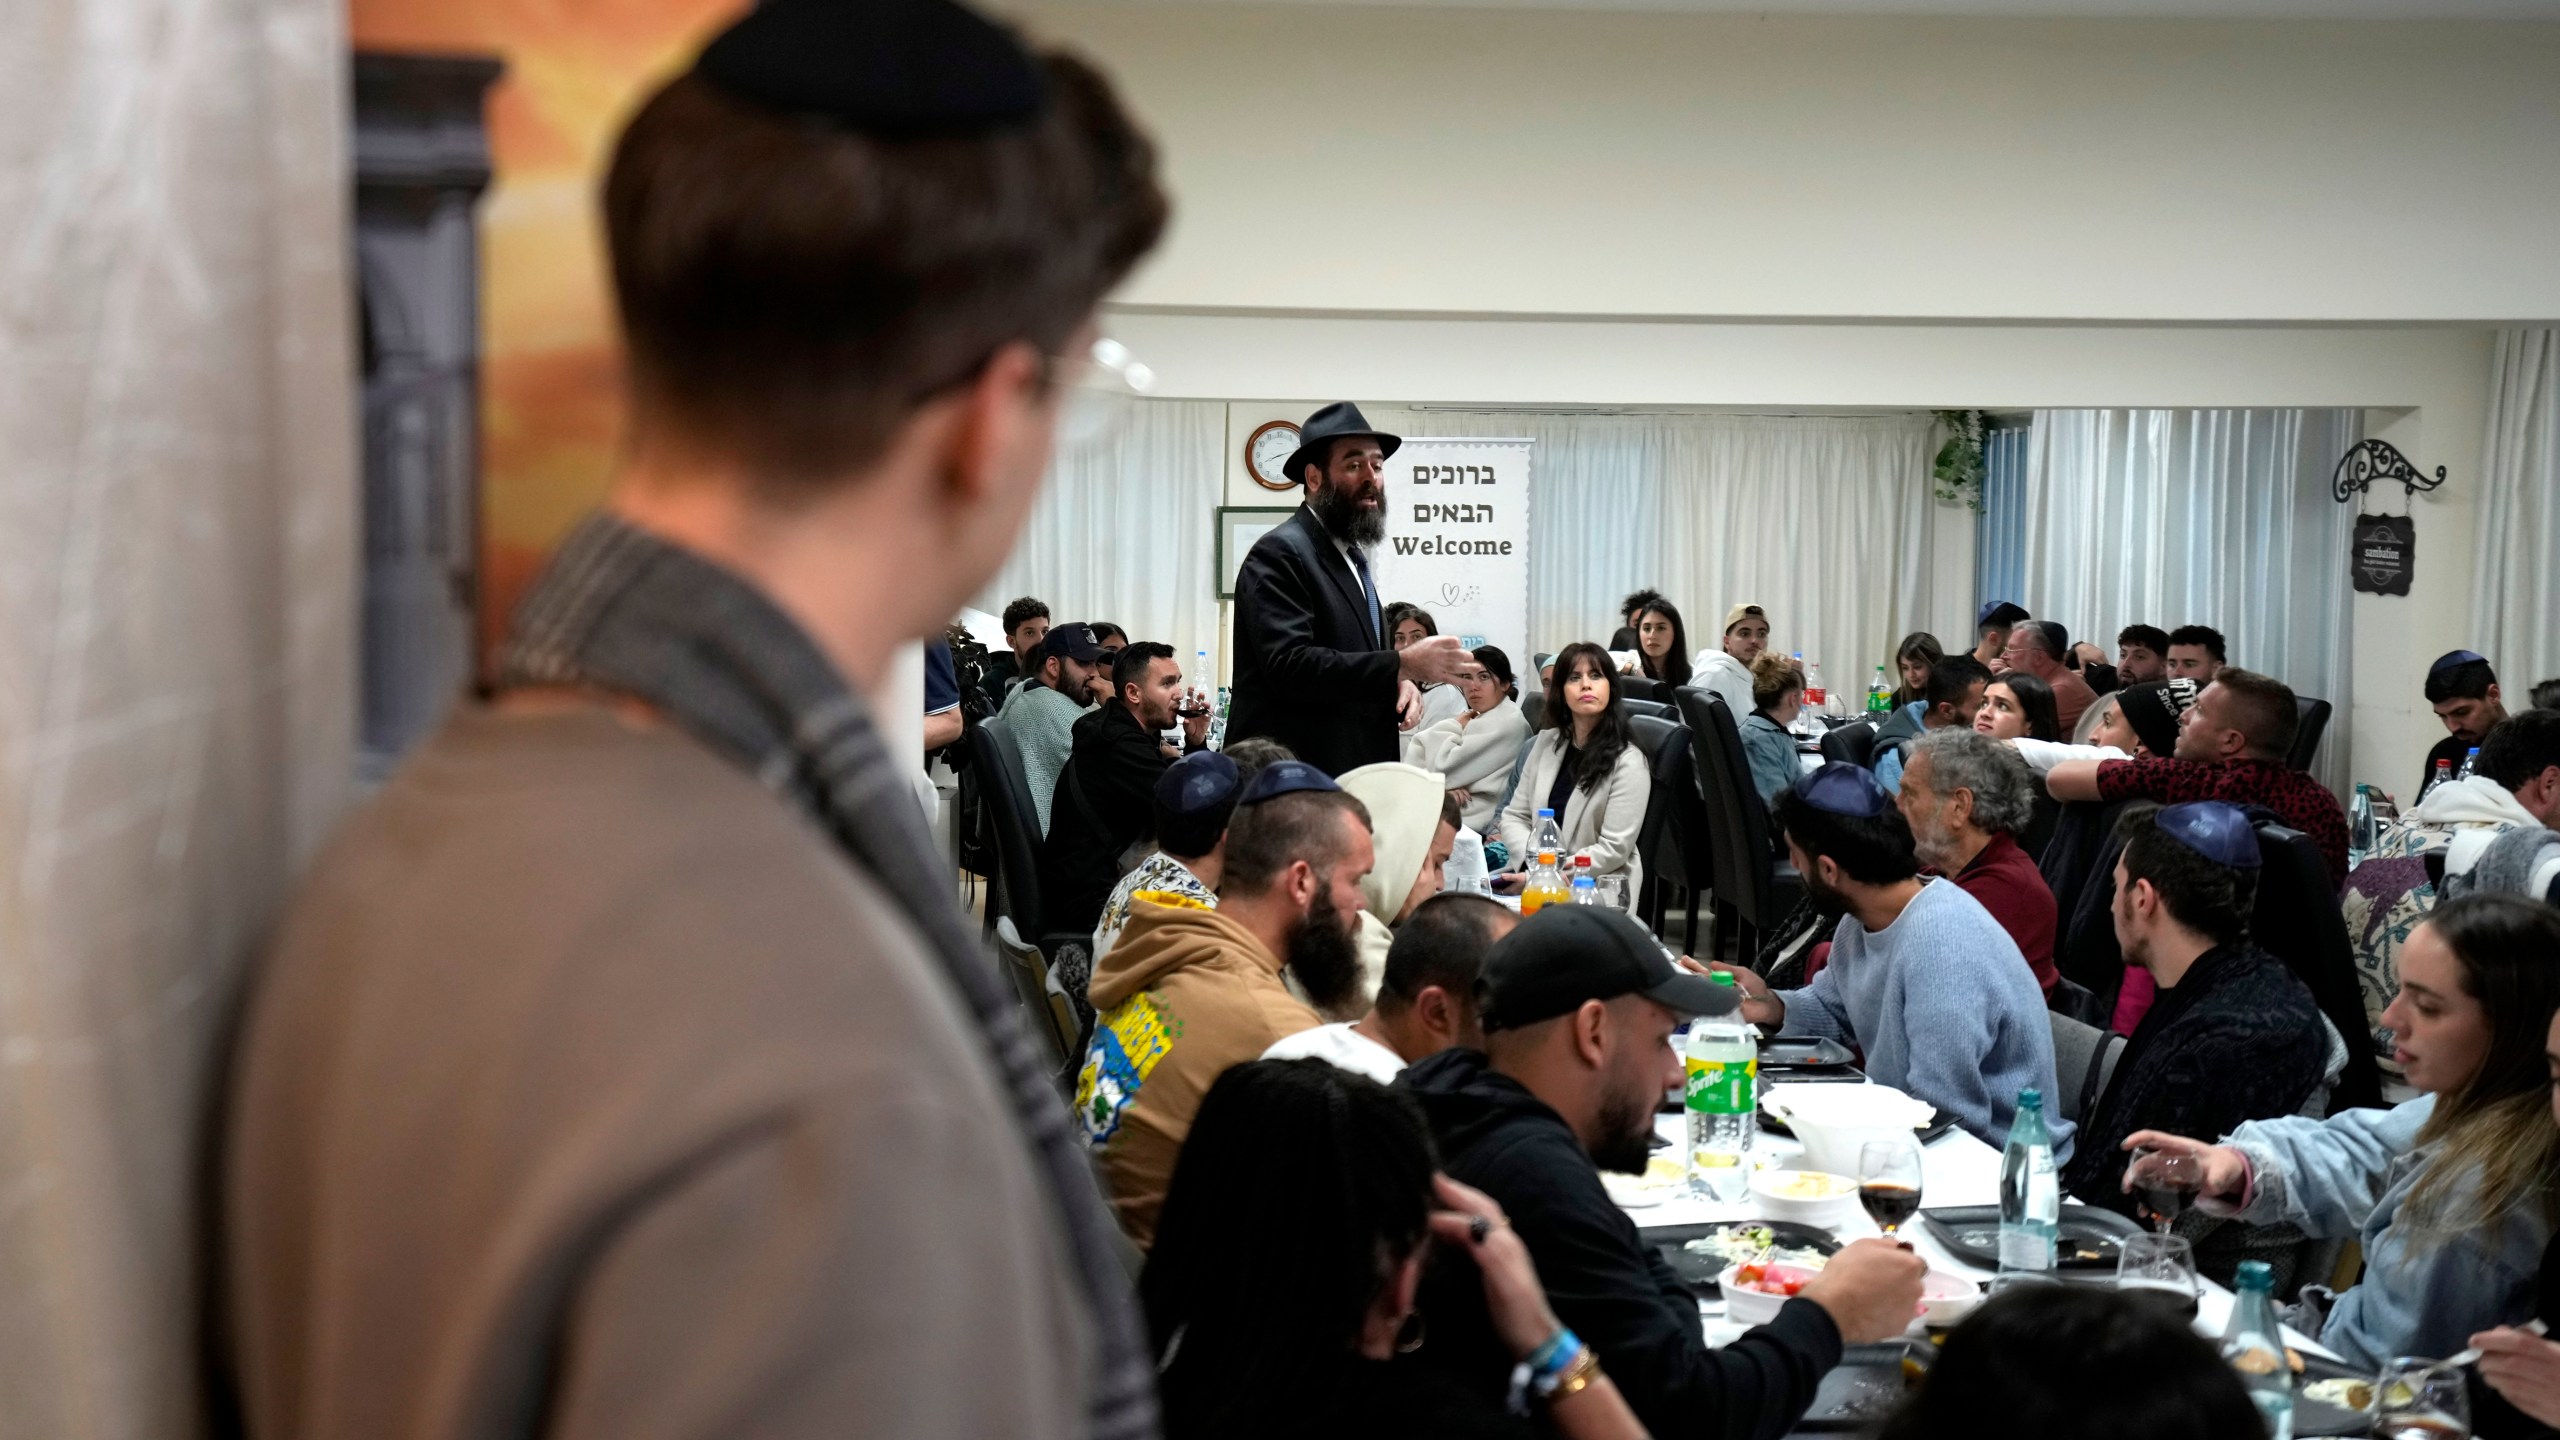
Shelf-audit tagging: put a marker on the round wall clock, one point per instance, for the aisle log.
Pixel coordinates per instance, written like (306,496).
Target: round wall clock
(1267,450)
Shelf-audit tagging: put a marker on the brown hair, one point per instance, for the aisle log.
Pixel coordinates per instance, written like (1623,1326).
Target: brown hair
(2260,707)
(1772,676)
(790,292)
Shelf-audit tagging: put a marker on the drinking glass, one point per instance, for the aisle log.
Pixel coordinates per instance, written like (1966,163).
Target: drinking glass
(2419,1399)
(2164,1184)
(2161,1267)
(1889,1182)
(1613,890)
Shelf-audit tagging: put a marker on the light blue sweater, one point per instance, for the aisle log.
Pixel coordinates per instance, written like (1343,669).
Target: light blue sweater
(2351,1174)
(1945,1009)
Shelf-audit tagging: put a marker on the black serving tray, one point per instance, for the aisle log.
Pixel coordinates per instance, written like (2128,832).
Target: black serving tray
(2090,1239)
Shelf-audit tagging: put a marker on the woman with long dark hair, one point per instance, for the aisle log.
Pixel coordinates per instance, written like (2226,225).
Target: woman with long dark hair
(1475,750)
(1662,643)
(1912,660)
(2018,704)
(2455,1193)
(1281,1284)
(1587,768)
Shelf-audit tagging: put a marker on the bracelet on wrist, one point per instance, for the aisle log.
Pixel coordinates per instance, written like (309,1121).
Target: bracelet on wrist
(1548,1367)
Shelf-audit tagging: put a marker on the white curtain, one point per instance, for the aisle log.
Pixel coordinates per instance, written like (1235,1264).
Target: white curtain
(178,559)
(2213,517)
(1824,521)
(2515,599)
(1124,532)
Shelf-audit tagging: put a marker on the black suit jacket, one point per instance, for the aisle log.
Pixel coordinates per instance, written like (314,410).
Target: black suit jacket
(1308,673)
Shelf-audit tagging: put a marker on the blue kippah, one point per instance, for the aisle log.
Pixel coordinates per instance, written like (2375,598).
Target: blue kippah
(1841,788)
(2213,829)
(1197,783)
(1285,777)
(2451,658)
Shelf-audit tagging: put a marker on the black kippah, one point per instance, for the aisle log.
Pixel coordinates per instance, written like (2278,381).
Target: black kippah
(900,69)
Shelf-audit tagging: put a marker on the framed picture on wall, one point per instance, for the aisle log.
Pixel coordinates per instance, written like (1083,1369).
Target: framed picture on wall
(1238,527)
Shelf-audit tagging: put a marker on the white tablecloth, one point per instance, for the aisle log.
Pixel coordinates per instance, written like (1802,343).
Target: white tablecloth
(1956,1169)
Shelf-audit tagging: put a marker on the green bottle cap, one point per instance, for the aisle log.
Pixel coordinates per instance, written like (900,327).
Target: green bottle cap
(2031,1098)
(2254,1275)
(1721,977)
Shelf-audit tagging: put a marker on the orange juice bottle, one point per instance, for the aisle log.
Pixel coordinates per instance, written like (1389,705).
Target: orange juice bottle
(1545,886)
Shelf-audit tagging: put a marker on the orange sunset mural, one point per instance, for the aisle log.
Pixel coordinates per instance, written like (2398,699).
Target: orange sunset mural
(551,410)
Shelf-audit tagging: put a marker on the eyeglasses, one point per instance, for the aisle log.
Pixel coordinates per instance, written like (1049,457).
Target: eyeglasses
(1100,393)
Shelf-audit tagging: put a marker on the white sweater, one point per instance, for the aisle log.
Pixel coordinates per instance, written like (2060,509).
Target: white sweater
(1475,757)
(1727,677)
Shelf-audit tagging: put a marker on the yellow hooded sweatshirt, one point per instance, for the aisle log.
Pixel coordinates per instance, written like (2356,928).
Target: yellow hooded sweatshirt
(1185,993)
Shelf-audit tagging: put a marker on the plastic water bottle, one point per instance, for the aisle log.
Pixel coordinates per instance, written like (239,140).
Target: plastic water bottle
(1879,695)
(2030,1198)
(2470,759)
(1722,1098)
(1586,882)
(2253,1344)
(1546,835)
(2442,778)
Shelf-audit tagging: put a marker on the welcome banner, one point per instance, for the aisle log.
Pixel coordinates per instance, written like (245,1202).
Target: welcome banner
(1458,539)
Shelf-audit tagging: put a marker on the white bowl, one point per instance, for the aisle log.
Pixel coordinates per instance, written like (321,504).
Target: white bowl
(1775,1195)
(1945,1298)
(1746,1306)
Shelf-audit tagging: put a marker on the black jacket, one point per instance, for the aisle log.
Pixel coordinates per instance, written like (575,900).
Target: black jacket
(1607,1285)
(1311,673)
(1105,802)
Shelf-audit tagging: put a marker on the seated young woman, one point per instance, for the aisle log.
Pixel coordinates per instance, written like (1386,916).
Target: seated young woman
(1912,661)
(1587,768)
(1281,1286)
(2018,705)
(1662,644)
(1475,749)
(1407,623)
(1777,698)
(2454,1194)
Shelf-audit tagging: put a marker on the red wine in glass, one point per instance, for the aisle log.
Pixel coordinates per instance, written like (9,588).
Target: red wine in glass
(1890,1205)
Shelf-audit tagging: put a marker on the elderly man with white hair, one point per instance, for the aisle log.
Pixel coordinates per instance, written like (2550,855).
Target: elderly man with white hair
(1967,797)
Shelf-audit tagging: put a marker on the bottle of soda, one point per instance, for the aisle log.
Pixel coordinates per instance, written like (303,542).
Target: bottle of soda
(1879,696)
(1546,884)
(1722,1098)
(2442,777)
(2470,759)
(1586,883)
(1815,697)
(2253,1344)
(2030,1197)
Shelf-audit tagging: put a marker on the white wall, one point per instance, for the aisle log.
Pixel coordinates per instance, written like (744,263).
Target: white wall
(1371,159)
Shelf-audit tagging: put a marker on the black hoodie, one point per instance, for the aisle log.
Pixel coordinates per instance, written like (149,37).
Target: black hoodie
(1606,1284)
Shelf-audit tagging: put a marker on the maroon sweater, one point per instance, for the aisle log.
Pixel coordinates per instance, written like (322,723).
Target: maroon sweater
(2010,886)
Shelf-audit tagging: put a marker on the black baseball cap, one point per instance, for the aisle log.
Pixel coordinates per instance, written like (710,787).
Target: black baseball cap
(1073,641)
(1566,954)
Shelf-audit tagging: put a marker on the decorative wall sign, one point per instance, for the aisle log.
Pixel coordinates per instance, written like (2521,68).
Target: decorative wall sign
(2381,550)
(1458,538)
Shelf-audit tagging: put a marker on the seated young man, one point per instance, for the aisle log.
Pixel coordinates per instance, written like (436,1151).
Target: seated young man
(2232,1035)
(1579,1005)
(2231,747)
(1954,693)
(1427,1002)
(2463,691)
(1921,977)
(1191,990)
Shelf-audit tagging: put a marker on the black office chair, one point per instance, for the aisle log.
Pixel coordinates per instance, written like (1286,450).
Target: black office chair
(1012,835)
(1749,878)
(1641,687)
(1533,707)
(1676,852)
(1854,742)
(2296,919)
(2311,721)
(1653,709)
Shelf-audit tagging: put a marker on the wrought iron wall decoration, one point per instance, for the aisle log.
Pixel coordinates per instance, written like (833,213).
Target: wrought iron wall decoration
(2373,460)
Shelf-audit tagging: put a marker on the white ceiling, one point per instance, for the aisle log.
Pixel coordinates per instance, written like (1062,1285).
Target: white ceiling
(2041,9)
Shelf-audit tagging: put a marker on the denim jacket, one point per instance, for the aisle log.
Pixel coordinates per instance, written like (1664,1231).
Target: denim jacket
(2420,1295)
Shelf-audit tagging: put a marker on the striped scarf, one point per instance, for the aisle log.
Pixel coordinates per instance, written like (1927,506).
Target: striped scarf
(622,611)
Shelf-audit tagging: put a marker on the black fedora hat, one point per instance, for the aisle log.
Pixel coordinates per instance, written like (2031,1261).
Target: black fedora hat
(1337,421)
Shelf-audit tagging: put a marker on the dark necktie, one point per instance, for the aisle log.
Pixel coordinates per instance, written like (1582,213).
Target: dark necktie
(1369,597)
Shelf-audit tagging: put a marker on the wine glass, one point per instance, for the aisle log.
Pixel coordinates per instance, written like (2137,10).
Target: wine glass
(2164,1183)
(2420,1399)
(2161,1267)
(1889,1182)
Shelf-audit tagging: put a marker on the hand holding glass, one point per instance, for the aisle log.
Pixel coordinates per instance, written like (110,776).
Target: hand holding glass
(2164,1183)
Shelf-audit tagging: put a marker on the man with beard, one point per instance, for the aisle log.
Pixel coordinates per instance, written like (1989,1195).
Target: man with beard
(1967,797)
(1106,792)
(1578,1009)
(1314,669)
(1191,990)
(1921,978)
